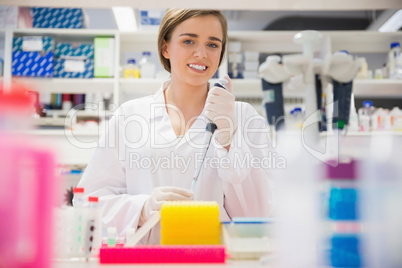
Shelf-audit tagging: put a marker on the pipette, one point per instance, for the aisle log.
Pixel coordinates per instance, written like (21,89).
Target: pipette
(210,128)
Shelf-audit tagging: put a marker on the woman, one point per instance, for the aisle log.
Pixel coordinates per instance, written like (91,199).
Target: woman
(153,145)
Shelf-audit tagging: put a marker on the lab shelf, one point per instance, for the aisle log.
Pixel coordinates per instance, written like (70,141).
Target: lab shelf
(80,113)
(282,41)
(83,33)
(381,88)
(242,88)
(69,86)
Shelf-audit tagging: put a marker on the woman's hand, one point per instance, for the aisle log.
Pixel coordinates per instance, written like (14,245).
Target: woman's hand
(158,196)
(219,108)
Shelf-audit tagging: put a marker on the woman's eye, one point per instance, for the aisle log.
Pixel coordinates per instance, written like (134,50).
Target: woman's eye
(213,45)
(188,42)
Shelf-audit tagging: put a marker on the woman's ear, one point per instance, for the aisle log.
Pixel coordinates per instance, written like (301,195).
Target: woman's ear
(165,51)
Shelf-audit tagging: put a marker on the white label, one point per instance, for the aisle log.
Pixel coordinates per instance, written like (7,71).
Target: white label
(32,43)
(268,96)
(74,66)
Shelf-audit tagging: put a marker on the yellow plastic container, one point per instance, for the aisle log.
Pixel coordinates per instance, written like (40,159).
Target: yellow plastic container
(190,223)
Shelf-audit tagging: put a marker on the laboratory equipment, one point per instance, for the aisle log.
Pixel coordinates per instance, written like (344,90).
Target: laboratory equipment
(78,200)
(131,69)
(134,237)
(342,97)
(210,129)
(147,67)
(190,223)
(112,236)
(395,61)
(164,254)
(381,191)
(235,60)
(247,238)
(353,118)
(365,115)
(342,69)
(341,228)
(396,118)
(276,70)
(93,232)
(28,191)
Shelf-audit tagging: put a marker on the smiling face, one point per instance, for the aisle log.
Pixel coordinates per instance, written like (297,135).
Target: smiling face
(194,49)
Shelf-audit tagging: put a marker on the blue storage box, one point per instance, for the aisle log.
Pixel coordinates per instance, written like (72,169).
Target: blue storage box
(74,50)
(32,56)
(32,63)
(86,68)
(44,17)
(47,43)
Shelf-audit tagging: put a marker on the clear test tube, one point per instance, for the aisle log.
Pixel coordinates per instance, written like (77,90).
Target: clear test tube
(92,240)
(112,236)
(78,200)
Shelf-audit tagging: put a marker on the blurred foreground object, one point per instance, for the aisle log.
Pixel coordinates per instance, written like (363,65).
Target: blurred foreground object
(28,187)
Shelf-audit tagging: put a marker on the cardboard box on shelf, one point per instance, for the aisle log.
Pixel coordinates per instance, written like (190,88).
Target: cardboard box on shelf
(44,17)
(104,57)
(64,49)
(32,56)
(73,68)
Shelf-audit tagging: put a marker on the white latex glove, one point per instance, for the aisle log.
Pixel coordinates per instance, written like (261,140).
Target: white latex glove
(160,195)
(219,108)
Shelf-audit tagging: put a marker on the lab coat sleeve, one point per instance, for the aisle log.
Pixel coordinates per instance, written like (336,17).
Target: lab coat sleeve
(105,178)
(246,180)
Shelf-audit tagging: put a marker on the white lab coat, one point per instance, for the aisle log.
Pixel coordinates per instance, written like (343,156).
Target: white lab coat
(140,151)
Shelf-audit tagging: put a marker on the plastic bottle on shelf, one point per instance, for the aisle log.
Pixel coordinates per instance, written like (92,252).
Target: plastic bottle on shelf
(395,61)
(396,118)
(363,72)
(131,69)
(147,67)
(353,118)
(365,114)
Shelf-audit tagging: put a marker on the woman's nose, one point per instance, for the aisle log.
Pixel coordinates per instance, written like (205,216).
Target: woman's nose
(200,52)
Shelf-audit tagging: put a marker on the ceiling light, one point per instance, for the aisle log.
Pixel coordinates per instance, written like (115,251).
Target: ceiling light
(125,19)
(393,24)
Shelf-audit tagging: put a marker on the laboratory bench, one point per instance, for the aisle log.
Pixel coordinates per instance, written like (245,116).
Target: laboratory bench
(95,264)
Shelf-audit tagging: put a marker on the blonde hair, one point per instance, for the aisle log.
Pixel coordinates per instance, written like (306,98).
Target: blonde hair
(174,17)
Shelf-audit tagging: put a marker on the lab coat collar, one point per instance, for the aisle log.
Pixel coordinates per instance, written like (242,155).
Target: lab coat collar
(160,103)
(159,100)
(194,135)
